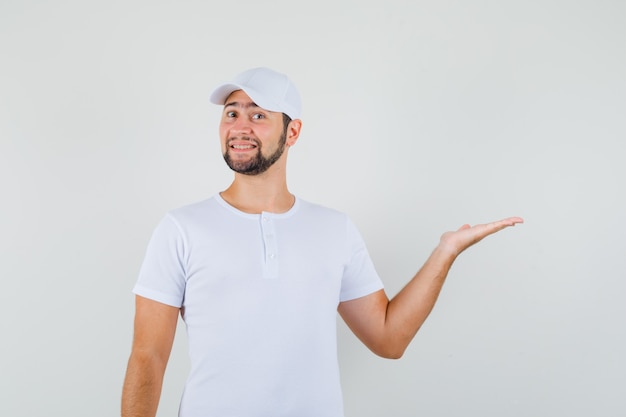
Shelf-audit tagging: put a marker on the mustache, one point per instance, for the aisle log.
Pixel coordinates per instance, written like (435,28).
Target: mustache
(243,138)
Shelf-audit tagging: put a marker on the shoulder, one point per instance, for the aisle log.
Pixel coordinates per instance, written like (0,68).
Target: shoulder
(188,217)
(324,218)
(315,209)
(194,210)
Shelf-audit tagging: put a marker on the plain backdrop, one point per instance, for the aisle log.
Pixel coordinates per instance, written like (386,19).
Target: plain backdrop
(419,116)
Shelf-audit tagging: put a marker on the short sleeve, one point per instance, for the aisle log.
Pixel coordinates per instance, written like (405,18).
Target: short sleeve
(360,277)
(162,275)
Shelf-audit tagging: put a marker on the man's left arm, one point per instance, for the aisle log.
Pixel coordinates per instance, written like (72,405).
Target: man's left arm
(387,326)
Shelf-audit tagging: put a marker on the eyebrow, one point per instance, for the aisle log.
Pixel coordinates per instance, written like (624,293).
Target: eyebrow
(238,104)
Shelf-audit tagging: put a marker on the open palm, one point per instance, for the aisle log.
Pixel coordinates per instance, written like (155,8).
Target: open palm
(466,236)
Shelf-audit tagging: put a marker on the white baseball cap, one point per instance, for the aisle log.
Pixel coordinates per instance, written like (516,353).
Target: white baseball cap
(268,89)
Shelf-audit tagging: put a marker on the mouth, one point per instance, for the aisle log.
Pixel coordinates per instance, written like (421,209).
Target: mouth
(242,144)
(242,147)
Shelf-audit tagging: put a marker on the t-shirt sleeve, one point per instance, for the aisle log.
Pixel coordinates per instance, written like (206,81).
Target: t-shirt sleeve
(360,277)
(162,275)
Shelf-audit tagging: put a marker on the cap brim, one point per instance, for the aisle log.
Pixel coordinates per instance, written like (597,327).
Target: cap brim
(221,93)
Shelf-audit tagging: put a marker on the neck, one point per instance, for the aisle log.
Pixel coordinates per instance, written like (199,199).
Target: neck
(258,193)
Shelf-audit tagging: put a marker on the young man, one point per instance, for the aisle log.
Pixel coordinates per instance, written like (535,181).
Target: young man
(258,276)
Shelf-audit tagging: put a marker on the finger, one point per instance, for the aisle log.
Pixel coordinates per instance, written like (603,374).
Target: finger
(493,227)
(511,221)
(501,224)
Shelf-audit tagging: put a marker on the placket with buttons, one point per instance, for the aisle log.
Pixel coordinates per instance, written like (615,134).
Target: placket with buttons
(271,248)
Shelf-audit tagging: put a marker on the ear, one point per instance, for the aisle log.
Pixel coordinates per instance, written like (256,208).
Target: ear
(293,131)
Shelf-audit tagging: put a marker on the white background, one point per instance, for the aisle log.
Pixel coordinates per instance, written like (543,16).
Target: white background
(419,116)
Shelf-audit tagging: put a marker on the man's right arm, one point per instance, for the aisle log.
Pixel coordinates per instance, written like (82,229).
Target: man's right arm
(155,327)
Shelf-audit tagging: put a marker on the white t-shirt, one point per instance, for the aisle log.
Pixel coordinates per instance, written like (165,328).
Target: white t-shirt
(259,296)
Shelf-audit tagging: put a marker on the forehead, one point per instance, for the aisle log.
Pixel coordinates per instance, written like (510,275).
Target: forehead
(238,95)
(239,98)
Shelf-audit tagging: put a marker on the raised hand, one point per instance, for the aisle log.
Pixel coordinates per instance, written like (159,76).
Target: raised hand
(466,236)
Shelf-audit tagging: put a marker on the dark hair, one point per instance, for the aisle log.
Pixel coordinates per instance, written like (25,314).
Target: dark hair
(286,121)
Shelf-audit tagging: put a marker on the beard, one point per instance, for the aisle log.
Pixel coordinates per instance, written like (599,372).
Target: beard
(258,163)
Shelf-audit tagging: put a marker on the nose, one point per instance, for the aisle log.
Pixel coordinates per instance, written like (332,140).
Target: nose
(241,125)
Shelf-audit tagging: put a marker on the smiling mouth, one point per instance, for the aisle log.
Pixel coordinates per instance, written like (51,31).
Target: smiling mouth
(243,143)
(242,147)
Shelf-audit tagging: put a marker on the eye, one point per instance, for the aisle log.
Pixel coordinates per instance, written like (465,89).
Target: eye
(258,116)
(230,114)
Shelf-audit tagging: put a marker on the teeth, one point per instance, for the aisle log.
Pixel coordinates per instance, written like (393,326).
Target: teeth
(242,146)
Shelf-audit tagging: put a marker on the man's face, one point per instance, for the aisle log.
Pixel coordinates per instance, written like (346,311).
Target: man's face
(253,139)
